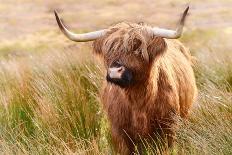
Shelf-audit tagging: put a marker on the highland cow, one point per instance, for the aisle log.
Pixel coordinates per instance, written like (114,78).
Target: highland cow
(149,80)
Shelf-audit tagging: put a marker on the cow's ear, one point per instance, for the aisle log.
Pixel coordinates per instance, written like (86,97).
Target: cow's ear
(156,47)
(97,46)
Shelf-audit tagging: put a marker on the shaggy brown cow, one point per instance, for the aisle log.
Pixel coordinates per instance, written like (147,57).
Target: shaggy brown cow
(149,80)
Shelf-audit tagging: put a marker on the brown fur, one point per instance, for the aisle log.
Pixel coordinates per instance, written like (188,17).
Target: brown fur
(164,84)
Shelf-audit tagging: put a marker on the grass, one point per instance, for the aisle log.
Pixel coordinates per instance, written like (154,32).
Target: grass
(39,42)
(50,104)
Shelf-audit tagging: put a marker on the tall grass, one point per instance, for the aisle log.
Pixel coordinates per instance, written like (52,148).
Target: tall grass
(50,104)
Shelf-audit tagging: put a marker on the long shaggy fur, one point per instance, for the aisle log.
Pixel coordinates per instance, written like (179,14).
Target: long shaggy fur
(164,85)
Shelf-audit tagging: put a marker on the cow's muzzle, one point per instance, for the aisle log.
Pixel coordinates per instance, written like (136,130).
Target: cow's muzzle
(119,75)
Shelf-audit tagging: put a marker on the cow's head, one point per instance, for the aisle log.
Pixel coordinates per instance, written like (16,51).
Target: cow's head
(128,49)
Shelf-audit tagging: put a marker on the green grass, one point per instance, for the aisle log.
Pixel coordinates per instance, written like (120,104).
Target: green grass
(39,42)
(50,105)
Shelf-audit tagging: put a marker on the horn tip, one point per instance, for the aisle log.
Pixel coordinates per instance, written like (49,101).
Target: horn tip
(186,10)
(59,21)
(56,14)
(184,15)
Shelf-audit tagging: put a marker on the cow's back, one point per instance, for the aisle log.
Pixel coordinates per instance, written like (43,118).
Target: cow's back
(177,62)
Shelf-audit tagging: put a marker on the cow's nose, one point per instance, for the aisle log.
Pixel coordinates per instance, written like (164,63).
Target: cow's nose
(116,72)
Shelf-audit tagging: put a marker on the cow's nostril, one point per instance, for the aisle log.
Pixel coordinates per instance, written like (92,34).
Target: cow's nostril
(120,69)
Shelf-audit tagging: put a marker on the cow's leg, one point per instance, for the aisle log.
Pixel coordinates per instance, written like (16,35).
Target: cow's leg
(165,133)
(169,136)
(122,143)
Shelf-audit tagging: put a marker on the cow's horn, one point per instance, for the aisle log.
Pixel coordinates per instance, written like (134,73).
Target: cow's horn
(171,34)
(79,37)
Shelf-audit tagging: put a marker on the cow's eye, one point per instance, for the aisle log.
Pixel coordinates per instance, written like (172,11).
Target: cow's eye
(116,63)
(119,63)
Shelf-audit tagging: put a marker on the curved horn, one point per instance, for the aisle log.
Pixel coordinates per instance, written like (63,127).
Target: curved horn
(79,37)
(171,34)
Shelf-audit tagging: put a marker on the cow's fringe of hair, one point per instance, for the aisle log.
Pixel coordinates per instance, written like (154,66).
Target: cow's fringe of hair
(129,37)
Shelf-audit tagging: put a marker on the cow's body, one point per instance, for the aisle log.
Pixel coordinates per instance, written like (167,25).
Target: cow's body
(149,80)
(145,109)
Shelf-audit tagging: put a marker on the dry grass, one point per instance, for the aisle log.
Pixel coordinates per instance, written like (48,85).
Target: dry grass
(49,88)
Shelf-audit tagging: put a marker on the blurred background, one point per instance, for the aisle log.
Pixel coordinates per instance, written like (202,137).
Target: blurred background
(49,85)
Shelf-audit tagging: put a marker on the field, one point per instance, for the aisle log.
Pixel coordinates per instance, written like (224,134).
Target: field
(49,85)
